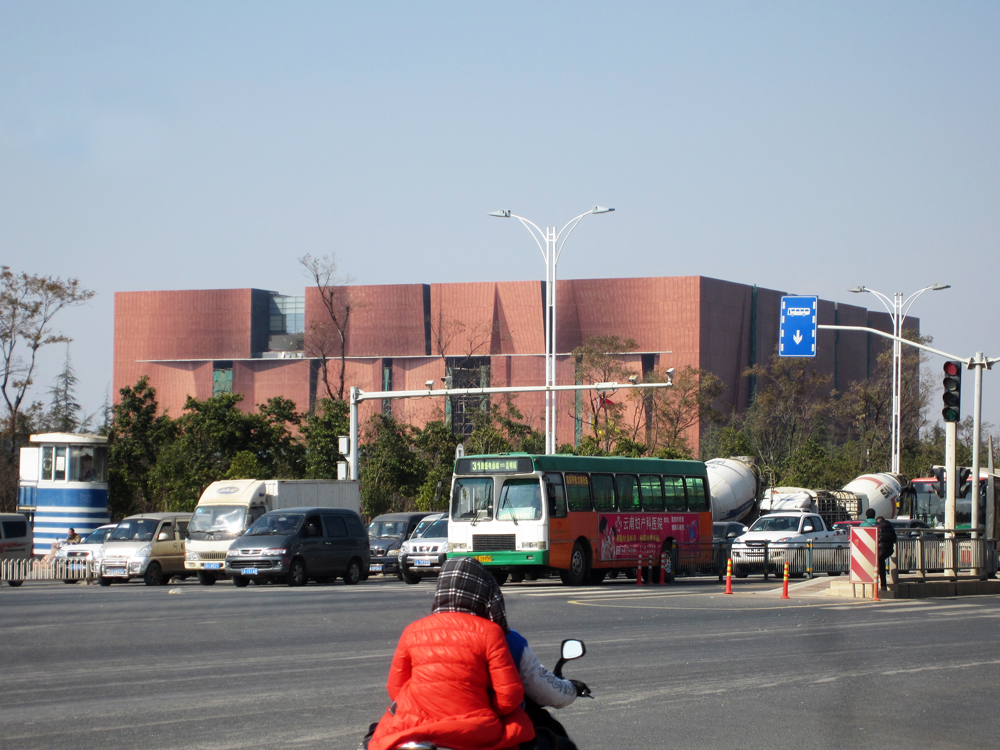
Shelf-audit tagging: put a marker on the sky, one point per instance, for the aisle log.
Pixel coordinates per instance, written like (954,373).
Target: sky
(804,147)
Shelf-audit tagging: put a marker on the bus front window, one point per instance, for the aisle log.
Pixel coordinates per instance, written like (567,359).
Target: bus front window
(472,499)
(520,500)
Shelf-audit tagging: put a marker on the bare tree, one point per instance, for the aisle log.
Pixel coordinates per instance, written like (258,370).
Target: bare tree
(327,339)
(28,303)
(675,410)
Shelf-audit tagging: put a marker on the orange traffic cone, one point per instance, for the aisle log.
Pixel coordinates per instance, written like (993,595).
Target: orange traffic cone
(729,577)
(638,573)
(784,590)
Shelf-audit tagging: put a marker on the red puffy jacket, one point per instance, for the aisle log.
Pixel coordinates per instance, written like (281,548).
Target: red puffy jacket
(455,684)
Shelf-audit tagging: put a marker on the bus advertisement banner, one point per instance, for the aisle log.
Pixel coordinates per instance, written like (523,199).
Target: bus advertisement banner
(626,536)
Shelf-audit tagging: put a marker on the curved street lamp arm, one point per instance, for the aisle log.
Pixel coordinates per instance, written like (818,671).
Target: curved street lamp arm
(572,225)
(528,224)
(886,302)
(905,307)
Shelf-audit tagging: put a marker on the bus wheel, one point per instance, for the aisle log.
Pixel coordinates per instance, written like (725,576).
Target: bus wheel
(578,572)
(517,577)
(500,576)
(631,573)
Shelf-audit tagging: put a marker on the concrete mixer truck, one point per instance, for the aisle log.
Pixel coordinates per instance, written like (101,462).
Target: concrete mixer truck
(879,492)
(735,487)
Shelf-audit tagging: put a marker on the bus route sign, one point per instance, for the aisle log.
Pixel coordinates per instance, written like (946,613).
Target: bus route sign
(797,329)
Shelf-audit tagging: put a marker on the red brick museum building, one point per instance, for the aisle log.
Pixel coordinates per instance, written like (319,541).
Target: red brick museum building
(257,343)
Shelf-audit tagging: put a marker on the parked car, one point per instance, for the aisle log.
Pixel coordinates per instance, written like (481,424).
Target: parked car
(148,546)
(295,545)
(781,532)
(87,550)
(724,534)
(386,535)
(16,539)
(423,554)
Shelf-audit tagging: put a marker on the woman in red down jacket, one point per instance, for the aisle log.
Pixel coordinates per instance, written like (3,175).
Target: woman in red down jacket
(453,681)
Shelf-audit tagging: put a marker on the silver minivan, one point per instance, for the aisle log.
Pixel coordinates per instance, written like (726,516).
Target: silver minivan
(148,546)
(16,540)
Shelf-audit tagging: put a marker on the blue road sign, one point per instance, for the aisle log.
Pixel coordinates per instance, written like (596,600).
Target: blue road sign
(797,332)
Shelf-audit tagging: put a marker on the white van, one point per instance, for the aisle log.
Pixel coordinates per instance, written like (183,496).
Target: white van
(16,539)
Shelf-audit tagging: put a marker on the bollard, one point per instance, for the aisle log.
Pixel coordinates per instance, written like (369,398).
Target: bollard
(638,573)
(784,589)
(663,567)
(651,568)
(875,585)
(809,559)
(729,576)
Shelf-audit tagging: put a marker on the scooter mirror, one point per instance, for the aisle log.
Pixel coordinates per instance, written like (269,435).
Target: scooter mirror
(573,649)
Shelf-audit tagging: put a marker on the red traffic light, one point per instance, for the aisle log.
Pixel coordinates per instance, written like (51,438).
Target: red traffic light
(952,369)
(952,397)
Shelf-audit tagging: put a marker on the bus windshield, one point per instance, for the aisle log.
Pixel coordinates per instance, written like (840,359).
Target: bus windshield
(472,499)
(520,500)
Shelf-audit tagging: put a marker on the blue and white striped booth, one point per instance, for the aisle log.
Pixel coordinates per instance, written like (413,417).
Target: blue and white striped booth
(63,484)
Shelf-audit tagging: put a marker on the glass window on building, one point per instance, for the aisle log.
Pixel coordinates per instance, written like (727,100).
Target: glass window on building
(288,314)
(47,453)
(59,475)
(222,378)
(88,463)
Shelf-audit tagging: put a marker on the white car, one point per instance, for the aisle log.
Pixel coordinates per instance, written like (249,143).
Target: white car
(88,549)
(424,553)
(785,536)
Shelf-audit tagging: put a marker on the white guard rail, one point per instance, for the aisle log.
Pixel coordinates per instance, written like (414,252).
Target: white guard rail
(59,569)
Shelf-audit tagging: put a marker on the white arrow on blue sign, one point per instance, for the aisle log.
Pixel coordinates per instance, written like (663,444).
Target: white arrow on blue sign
(797,332)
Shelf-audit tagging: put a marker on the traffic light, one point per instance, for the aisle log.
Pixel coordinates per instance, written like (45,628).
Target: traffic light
(939,486)
(952,392)
(964,475)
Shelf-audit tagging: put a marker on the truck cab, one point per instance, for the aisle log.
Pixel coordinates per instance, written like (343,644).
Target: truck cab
(224,512)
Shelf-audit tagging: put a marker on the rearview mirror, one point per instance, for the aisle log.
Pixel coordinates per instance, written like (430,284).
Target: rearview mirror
(573,649)
(164,536)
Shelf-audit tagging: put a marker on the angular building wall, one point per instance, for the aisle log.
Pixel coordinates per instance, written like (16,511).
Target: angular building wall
(400,336)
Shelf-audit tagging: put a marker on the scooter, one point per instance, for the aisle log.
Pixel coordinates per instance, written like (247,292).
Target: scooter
(571,649)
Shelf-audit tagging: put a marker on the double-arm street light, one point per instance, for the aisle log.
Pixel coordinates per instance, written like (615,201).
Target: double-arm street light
(551,244)
(897,308)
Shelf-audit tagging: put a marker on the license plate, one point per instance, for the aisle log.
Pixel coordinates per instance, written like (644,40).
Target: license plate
(249,571)
(484,558)
(422,563)
(375,568)
(213,566)
(116,571)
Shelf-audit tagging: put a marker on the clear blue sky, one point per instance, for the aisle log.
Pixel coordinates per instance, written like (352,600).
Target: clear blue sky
(807,147)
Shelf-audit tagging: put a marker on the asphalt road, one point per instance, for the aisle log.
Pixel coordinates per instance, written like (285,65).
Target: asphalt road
(187,666)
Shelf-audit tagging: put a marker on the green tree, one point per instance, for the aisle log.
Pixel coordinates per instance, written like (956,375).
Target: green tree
(321,430)
(600,360)
(435,446)
(390,470)
(65,413)
(136,438)
(28,304)
(501,429)
(673,411)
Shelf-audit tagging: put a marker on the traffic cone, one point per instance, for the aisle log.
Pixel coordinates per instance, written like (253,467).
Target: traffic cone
(784,589)
(729,577)
(875,590)
(663,568)
(638,573)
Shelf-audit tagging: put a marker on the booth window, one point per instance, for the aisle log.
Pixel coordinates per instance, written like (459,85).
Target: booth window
(88,463)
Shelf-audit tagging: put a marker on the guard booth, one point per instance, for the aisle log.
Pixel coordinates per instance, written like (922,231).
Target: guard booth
(63,484)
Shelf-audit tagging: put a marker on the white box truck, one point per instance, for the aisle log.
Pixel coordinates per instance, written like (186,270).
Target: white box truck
(226,509)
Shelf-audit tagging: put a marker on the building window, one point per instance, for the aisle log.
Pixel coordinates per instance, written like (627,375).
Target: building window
(222,378)
(467,372)
(288,314)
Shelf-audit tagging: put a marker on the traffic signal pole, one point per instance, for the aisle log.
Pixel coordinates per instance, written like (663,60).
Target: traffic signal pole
(951,487)
(977,411)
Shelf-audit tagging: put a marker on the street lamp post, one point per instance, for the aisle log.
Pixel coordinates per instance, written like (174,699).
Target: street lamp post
(551,244)
(897,308)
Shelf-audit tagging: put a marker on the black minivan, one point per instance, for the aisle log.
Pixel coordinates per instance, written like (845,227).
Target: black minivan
(296,544)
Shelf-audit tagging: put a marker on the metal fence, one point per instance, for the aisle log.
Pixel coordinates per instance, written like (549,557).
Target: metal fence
(57,569)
